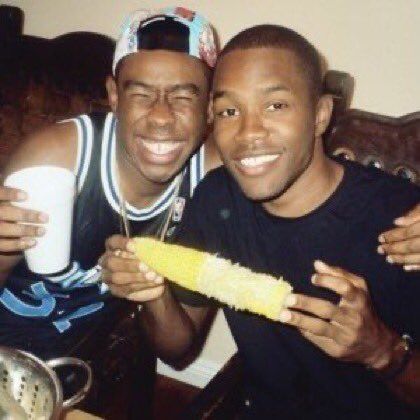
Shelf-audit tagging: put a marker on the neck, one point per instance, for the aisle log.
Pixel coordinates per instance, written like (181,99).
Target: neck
(135,188)
(311,189)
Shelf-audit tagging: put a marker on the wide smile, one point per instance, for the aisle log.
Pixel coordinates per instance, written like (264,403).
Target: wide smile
(160,152)
(256,165)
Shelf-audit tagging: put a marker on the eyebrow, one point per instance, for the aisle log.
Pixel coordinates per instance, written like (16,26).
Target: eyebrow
(276,88)
(270,89)
(191,87)
(219,94)
(136,83)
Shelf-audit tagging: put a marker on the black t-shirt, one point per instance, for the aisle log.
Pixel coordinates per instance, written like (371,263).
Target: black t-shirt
(285,375)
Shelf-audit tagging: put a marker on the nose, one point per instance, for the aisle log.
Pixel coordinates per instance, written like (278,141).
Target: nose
(161,115)
(252,130)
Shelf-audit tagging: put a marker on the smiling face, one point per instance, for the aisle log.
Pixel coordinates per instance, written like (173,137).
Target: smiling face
(266,122)
(160,99)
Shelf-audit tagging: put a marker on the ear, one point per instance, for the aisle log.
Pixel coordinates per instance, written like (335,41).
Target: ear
(111,88)
(323,114)
(210,115)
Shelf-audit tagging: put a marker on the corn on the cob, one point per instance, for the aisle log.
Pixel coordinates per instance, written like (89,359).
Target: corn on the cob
(215,277)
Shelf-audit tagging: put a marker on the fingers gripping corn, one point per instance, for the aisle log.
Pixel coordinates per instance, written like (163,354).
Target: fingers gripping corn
(215,277)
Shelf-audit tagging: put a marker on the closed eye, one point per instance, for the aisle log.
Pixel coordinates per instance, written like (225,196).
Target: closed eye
(141,95)
(182,98)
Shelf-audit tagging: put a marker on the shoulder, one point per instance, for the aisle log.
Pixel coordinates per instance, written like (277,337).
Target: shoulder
(370,190)
(216,185)
(383,184)
(53,145)
(213,194)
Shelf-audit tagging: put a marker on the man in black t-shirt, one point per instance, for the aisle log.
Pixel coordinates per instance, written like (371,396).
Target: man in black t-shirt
(346,344)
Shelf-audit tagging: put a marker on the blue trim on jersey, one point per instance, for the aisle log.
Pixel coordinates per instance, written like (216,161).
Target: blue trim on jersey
(75,278)
(64,323)
(19,307)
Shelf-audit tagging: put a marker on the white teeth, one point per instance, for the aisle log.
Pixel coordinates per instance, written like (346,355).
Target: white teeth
(160,148)
(257,160)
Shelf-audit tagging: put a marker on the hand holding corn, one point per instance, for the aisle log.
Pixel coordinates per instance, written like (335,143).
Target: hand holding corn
(215,277)
(125,276)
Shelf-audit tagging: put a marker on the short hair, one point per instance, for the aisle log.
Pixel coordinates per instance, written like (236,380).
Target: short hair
(276,36)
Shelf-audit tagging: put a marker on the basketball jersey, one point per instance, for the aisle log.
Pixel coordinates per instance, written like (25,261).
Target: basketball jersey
(36,307)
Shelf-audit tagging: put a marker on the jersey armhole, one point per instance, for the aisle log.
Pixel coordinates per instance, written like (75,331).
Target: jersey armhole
(84,129)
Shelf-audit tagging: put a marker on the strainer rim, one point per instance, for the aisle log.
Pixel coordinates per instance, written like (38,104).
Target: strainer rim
(57,406)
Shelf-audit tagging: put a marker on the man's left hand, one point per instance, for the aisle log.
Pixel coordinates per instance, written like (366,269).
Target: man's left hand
(349,330)
(402,244)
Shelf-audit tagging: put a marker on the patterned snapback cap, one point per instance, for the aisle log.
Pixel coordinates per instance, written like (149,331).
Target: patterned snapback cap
(174,28)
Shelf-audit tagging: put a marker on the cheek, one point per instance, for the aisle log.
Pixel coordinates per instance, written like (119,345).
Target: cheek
(129,115)
(192,122)
(134,111)
(297,135)
(224,135)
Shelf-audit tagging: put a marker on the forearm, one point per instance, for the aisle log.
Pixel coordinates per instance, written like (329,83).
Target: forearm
(400,370)
(169,328)
(406,386)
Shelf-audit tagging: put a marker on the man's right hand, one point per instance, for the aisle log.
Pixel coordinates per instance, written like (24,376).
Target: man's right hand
(172,328)
(19,227)
(126,276)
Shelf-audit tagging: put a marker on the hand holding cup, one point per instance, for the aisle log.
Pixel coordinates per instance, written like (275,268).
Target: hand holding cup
(49,191)
(19,227)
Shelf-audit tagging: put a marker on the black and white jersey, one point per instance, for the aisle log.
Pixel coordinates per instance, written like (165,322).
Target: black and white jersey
(34,307)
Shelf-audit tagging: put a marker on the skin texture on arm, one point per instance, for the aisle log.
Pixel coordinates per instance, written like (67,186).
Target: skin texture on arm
(351,330)
(55,145)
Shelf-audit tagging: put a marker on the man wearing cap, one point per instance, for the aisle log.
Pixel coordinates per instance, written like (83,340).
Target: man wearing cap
(136,167)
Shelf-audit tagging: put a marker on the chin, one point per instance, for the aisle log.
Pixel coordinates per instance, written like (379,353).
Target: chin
(260,189)
(256,193)
(160,178)
(162,175)
(262,196)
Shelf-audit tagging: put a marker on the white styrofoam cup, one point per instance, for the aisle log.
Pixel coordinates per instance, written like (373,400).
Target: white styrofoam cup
(51,190)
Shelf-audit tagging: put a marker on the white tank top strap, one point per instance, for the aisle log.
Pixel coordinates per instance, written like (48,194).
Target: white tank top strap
(197,170)
(84,147)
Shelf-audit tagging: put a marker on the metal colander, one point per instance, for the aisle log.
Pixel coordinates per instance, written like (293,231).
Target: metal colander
(30,389)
